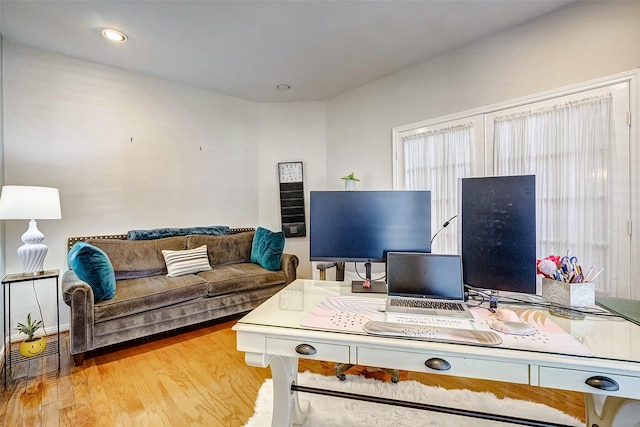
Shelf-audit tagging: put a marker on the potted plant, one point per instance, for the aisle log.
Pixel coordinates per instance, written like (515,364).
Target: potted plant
(350,181)
(32,346)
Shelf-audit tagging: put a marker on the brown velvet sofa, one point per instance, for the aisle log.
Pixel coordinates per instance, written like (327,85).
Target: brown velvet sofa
(148,302)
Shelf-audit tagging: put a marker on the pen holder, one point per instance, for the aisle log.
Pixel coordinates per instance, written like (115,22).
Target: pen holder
(569,294)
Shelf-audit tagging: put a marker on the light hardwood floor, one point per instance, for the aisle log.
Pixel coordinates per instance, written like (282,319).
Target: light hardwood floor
(191,378)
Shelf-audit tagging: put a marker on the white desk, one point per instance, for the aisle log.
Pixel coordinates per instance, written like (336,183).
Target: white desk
(271,333)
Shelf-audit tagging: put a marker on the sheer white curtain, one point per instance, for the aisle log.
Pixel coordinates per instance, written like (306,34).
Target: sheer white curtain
(569,148)
(434,161)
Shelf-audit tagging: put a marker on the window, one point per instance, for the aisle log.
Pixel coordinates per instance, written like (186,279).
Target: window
(434,160)
(436,155)
(577,145)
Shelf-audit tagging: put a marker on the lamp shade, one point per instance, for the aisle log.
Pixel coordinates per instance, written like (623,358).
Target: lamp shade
(27,202)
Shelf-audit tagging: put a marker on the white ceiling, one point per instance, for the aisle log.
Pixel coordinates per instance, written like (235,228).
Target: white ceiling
(246,48)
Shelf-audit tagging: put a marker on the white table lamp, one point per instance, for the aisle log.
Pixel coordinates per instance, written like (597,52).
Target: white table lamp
(27,202)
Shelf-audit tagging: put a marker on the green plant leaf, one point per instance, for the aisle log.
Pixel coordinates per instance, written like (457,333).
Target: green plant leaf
(30,328)
(350,177)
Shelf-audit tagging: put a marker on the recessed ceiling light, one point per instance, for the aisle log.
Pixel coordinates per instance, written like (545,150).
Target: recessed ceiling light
(114,35)
(283,86)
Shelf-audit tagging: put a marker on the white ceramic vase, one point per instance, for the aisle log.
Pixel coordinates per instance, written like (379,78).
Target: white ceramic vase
(349,185)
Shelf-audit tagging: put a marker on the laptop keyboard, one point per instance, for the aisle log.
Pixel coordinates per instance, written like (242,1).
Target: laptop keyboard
(434,305)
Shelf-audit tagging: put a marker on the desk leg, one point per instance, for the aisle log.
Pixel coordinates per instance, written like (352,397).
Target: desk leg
(287,409)
(611,411)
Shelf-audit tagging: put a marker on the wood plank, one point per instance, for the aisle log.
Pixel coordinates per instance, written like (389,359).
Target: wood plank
(193,377)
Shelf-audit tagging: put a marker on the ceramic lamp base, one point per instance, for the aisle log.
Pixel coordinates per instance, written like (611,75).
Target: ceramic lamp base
(33,252)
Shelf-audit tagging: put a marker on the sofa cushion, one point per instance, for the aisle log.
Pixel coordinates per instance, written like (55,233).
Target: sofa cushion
(149,293)
(240,277)
(267,248)
(93,266)
(224,250)
(160,233)
(187,261)
(132,259)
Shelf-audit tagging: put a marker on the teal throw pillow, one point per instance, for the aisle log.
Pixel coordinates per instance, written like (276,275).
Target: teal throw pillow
(267,248)
(92,265)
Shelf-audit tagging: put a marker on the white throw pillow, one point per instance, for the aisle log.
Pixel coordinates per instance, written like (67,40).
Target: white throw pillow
(189,261)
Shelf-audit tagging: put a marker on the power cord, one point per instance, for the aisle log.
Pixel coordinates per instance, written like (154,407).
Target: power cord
(486,294)
(473,297)
(33,284)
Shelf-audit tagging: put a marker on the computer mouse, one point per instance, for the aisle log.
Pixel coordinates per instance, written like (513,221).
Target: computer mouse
(507,315)
(512,328)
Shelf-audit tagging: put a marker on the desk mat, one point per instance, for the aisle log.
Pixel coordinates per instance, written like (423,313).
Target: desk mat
(349,314)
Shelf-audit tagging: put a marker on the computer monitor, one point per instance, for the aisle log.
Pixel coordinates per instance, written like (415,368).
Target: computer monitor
(363,226)
(497,232)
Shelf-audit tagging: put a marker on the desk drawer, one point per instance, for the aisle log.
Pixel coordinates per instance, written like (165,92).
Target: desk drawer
(313,349)
(446,365)
(569,379)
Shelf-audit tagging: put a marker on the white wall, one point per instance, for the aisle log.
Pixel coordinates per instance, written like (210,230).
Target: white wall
(2,239)
(291,132)
(127,151)
(69,124)
(578,43)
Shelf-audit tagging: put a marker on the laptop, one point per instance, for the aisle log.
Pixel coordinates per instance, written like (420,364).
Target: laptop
(626,308)
(425,284)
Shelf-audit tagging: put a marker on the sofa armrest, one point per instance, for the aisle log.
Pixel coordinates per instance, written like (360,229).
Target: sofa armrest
(289,265)
(78,295)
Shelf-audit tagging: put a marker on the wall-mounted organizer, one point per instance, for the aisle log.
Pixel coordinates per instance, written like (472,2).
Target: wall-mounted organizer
(292,199)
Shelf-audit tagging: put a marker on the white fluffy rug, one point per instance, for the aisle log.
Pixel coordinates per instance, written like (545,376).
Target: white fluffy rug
(333,411)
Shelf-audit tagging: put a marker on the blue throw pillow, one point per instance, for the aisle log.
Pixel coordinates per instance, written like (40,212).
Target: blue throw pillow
(92,265)
(267,248)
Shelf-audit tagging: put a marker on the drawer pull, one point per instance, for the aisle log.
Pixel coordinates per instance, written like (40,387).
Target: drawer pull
(603,383)
(306,349)
(438,364)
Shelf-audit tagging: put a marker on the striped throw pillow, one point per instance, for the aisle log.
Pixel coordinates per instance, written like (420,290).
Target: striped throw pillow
(190,261)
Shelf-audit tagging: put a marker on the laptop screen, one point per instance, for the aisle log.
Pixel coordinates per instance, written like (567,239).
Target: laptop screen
(425,275)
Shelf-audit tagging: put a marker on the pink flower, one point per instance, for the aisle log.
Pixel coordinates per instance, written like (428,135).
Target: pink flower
(548,265)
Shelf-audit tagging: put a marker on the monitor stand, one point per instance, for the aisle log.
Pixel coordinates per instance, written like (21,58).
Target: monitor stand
(358,287)
(368,286)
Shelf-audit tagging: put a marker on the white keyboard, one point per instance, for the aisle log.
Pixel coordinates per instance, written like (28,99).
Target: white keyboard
(421,319)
